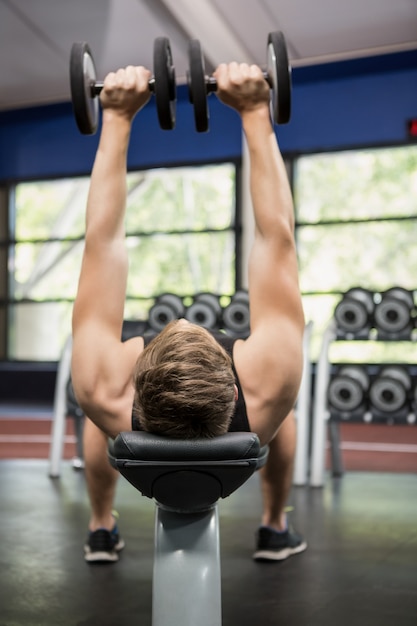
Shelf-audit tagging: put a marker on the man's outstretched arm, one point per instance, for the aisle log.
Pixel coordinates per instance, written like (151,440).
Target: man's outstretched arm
(270,361)
(101,364)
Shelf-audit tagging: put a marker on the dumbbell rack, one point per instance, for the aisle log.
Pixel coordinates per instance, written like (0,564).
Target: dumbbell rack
(133,328)
(321,412)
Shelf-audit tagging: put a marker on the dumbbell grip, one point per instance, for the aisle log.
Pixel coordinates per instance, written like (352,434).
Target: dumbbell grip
(96,87)
(211,82)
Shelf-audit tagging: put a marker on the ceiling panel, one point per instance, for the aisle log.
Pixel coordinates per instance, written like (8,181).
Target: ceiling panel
(327,28)
(36,35)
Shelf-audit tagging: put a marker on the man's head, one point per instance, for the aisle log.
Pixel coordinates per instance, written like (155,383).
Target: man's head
(184,384)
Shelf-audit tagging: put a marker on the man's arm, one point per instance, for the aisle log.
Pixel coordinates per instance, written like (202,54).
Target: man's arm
(270,361)
(101,364)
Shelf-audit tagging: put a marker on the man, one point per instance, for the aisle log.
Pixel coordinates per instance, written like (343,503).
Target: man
(184,383)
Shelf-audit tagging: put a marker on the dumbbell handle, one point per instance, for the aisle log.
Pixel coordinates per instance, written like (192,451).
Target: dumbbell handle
(97,86)
(211,82)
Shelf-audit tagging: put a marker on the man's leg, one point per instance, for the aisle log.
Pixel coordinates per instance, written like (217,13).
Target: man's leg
(276,541)
(103,542)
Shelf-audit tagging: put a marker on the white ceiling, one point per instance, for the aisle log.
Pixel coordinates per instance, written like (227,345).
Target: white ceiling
(36,35)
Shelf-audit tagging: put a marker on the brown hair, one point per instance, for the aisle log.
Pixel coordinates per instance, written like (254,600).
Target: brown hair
(184,384)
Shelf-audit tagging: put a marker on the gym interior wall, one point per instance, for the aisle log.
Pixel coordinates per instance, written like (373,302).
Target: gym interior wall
(363,102)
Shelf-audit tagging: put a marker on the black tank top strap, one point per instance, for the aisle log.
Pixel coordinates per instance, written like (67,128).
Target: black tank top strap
(240,422)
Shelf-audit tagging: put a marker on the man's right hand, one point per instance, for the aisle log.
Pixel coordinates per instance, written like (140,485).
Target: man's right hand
(126,91)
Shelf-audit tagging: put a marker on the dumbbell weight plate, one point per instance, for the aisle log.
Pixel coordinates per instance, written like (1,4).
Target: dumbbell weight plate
(82,76)
(387,394)
(399,293)
(364,296)
(356,372)
(345,393)
(392,315)
(202,314)
(173,301)
(165,86)
(160,314)
(398,374)
(241,296)
(205,311)
(197,88)
(279,72)
(351,315)
(236,317)
(211,299)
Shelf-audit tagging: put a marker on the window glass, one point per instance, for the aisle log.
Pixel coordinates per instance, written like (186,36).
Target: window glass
(356,217)
(375,255)
(191,198)
(47,270)
(181,238)
(183,264)
(363,184)
(50,209)
(38,330)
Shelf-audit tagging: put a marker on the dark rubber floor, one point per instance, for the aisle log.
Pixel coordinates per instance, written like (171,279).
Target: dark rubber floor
(360,567)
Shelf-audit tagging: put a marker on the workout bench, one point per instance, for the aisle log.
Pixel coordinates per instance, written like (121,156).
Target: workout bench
(186,478)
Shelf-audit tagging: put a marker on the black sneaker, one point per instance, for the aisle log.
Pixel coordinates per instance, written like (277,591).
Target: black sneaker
(277,546)
(103,546)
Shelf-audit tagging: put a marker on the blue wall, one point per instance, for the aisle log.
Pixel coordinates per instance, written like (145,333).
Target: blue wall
(335,106)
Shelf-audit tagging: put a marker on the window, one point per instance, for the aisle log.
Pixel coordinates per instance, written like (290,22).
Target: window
(181,237)
(356,226)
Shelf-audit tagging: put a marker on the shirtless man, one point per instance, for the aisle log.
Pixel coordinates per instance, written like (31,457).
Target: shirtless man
(169,383)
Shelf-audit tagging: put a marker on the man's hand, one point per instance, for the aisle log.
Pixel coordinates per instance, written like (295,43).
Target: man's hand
(126,91)
(242,87)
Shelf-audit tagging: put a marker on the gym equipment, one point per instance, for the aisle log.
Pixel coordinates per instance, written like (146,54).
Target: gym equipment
(168,307)
(205,311)
(347,391)
(60,410)
(133,328)
(278,77)
(186,478)
(74,410)
(393,314)
(354,313)
(85,89)
(236,316)
(389,392)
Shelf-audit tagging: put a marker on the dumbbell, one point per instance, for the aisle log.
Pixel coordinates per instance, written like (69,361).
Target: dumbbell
(353,314)
(236,318)
(168,307)
(393,314)
(277,75)
(205,311)
(389,391)
(347,390)
(85,89)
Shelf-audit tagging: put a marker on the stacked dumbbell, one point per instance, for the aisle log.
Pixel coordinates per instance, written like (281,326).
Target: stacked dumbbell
(354,314)
(85,88)
(382,394)
(394,313)
(363,314)
(204,309)
(347,393)
(390,395)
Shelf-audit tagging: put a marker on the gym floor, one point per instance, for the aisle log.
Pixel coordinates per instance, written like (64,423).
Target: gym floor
(360,566)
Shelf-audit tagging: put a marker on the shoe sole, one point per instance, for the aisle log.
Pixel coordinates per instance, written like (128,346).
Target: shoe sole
(103,557)
(278,555)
